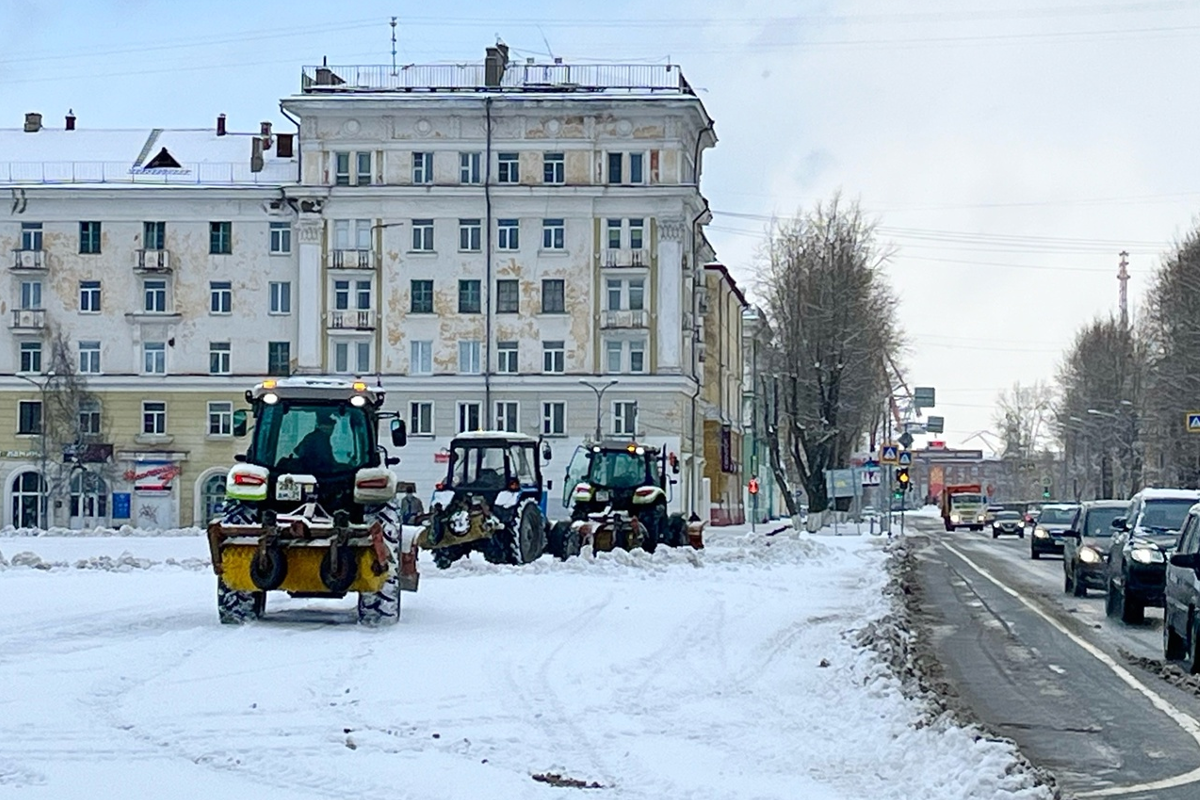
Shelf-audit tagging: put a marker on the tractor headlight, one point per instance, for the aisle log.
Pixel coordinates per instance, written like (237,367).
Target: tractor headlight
(358,401)
(1041,533)
(955,518)
(270,398)
(1089,556)
(1146,555)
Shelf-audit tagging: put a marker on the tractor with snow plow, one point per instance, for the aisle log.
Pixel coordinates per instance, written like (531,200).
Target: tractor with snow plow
(309,507)
(489,501)
(618,494)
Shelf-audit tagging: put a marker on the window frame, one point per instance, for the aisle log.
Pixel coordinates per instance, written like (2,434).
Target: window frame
(472,363)
(30,358)
(422,236)
(31,296)
(29,423)
(554,168)
(280,239)
(31,236)
(279,298)
(220,238)
(420,412)
(508,235)
(627,427)
(508,296)
(420,350)
(89,293)
(89,237)
(220,417)
(422,168)
(508,168)
(554,357)
(470,168)
(154,235)
(274,350)
(466,303)
(422,289)
(554,234)
(89,357)
(220,358)
(561,297)
(154,354)
(220,298)
(470,235)
(464,410)
(508,357)
(159,288)
(154,415)
(554,411)
(507,416)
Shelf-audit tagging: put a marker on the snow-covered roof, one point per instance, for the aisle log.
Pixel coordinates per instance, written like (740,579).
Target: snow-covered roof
(492,435)
(184,157)
(1169,494)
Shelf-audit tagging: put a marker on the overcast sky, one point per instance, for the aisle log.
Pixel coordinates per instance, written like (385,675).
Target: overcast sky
(1008,149)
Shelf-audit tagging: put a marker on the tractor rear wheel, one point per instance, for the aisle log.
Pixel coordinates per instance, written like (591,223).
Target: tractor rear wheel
(383,607)
(528,541)
(237,608)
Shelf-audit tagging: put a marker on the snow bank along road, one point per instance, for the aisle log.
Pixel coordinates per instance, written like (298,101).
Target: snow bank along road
(730,673)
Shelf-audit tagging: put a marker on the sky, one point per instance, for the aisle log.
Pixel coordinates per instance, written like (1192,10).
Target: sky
(1007,150)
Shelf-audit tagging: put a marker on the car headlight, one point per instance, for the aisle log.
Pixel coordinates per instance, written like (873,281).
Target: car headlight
(995,524)
(1146,555)
(955,518)
(979,518)
(1041,533)
(1089,556)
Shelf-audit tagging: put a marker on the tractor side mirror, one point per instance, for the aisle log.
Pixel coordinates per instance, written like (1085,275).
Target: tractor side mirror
(547,453)
(399,433)
(240,458)
(392,461)
(674,459)
(239,422)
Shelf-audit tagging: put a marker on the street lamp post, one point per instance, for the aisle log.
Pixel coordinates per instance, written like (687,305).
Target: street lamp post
(599,390)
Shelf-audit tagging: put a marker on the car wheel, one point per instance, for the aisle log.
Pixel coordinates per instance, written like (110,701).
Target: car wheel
(1174,648)
(995,535)
(1192,656)
(1021,534)
(1034,554)
(1078,587)
(1068,584)
(1110,599)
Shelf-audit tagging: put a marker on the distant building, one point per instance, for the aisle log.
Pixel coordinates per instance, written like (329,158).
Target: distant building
(722,395)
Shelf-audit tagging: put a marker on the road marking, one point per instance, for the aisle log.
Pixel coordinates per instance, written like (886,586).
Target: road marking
(1180,718)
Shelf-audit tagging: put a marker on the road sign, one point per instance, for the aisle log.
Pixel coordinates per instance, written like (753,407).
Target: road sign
(1193,421)
(935,424)
(753,487)
(923,397)
(906,439)
(1045,480)
(889,454)
(840,482)
(905,459)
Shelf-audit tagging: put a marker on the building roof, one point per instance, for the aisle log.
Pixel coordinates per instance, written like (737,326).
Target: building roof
(720,268)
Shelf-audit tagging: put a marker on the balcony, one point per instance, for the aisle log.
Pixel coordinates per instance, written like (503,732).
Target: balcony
(28,319)
(352,259)
(623,319)
(358,319)
(152,261)
(29,260)
(625,257)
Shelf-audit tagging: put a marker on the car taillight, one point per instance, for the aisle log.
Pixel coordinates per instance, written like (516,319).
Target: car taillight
(440,486)
(644,491)
(243,479)
(373,483)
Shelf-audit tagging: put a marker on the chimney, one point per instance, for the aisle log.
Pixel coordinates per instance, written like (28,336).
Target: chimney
(70,119)
(265,132)
(220,124)
(284,150)
(33,122)
(256,154)
(494,64)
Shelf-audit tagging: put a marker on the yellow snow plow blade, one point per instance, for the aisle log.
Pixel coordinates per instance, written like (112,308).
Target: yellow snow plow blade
(303,572)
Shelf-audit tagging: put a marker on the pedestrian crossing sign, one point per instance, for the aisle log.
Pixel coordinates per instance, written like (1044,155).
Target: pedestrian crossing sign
(889,454)
(1193,421)
(905,459)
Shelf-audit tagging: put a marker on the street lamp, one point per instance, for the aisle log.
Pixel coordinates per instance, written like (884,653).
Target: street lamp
(599,390)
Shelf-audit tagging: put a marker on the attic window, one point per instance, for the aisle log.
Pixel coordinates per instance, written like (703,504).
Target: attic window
(163,160)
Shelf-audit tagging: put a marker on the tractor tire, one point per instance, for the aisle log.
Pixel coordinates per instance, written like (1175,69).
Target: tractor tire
(238,608)
(655,522)
(528,541)
(339,580)
(677,535)
(443,557)
(376,609)
(237,512)
(556,539)
(269,571)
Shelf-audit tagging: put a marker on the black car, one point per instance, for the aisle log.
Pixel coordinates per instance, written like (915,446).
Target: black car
(1137,557)
(1181,623)
(1008,522)
(1085,550)
(1052,526)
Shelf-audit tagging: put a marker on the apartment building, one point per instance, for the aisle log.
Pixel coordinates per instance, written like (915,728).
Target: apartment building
(722,396)
(506,246)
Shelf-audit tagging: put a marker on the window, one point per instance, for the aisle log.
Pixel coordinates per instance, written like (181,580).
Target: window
(612,356)
(89,418)
(28,500)
(553,301)
(89,358)
(281,238)
(422,235)
(422,297)
(613,226)
(220,297)
(420,418)
(625,356)
(468,168)
(422,168)
(624,415)
(281,297)
(422,358)
(507,357)
(554,419)
(279,358)
(154,235)
(507,416)
(154,417)
(614,167)
(352,357)
(554,357)
(637,233)
(31,294)
(637,294)
(553,234)
(154,358)
(341,295)
(469,234)
(220,238)
(89,237)
(31,356)
(362,163)
(469,297)
(29,416)
(341,169)
(508,296)
(31,236)
(351,234)
(468,357)
(509,168)
(635,168)
(508,234)
(220,419)
(613,292)
(468,417)
(154,296)
(553,169)
(342,175)
(218,358)
(362,294)
(637,356)
(89,297)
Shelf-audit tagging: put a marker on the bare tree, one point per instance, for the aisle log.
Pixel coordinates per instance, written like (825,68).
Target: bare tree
(1024,419)
(833,316)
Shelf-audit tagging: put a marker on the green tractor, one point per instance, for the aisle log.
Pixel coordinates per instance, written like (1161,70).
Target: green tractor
(618,494)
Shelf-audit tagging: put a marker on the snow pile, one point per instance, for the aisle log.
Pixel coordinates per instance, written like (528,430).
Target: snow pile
(8,532)
(125,562)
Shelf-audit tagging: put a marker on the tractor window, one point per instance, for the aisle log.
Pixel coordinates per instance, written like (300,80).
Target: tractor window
(619,469)
(521,462)
(576,471)
(314,438)
(478,467)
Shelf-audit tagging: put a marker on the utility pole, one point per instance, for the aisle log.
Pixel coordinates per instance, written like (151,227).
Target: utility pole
(1123,279)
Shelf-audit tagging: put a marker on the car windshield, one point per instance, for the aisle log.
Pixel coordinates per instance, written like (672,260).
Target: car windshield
(1058,516)
(965,499)
(1098,522)
(312,438)
(1007,515)
(617,469)
(1165,514)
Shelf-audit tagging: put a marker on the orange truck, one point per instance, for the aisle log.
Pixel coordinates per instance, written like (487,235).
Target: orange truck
(963,506)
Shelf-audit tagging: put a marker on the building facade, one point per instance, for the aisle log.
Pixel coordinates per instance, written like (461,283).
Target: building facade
(497,246)
(722,394)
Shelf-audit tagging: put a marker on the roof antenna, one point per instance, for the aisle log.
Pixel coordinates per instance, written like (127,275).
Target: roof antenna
(393,24)
(546,42)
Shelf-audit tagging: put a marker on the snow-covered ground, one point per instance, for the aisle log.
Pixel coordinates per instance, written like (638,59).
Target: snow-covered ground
(735,672)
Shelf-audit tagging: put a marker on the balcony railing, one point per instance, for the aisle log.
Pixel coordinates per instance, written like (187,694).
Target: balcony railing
(359,319)
(29,259)
(623,319)
(517,78)
(29,319)
(352,259)
(152,260)
(625,257)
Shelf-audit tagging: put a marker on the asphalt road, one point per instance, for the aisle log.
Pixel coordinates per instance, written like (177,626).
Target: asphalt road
(1044,668)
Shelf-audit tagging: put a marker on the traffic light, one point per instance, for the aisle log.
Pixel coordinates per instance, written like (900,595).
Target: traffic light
(1045,492)
(902,478)
(753,487)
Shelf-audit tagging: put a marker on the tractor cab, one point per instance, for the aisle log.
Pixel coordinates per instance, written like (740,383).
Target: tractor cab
(615,473)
